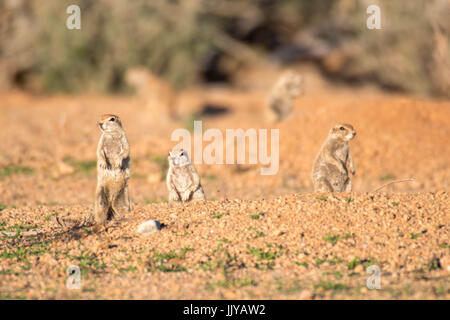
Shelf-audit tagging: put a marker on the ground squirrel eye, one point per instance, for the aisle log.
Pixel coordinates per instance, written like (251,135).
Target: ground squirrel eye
(112,119)
(342,128)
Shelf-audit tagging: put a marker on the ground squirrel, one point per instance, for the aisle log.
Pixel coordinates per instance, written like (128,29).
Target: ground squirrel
(281,96)
(330,172)
(113,171)
(158,93)
(183,180)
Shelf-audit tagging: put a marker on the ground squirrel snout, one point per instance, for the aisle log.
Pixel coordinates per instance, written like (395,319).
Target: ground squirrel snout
(286,89)
(183,181)
(113,170)
(330,171)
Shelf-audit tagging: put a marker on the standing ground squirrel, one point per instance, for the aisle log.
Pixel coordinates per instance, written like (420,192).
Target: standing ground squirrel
(330,172)
(158,93)
(113,171)
(183,180)
(283,92)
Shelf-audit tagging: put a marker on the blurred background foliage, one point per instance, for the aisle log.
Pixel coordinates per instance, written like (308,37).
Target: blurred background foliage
(194,41)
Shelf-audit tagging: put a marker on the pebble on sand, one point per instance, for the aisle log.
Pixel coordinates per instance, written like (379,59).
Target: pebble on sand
(149,227)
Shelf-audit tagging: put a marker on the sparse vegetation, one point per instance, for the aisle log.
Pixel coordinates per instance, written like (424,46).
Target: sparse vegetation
(210,177)
(168,262)
(335,238)
(434,264)
(217,215)
(335,260)
(257,216)
(304,264)
(356,261)
(332,239)
(258,234)
(14,170)
(19,227)
(88,262)
(352,264)
(289,287)
(329,285)
(415,235)
(387,177)
(49,217)
(86,167)
(262,254)
(177,40)
(338,275)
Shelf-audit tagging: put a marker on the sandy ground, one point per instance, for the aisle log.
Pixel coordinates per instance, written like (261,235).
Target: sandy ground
(257,236)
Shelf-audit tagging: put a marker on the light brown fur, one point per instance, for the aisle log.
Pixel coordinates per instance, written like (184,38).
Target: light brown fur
(183,181)
(113,171)
(158,93)
(330,173)
(285,90)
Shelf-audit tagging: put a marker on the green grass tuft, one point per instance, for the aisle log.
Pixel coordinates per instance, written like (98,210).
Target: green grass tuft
(14,170)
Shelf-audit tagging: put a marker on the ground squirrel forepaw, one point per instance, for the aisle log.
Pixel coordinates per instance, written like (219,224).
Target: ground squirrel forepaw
(186,196)
(103,165)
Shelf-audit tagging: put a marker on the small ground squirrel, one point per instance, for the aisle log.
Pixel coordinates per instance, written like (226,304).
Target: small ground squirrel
(330,173)
(113,171)
(281,96)
(183,180)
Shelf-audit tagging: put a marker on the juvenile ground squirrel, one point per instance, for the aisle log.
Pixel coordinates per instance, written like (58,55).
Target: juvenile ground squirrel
(158,94)
(330,172)
(113,171)
(281,96)
(183,180)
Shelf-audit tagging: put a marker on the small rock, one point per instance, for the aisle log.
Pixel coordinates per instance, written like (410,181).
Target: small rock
(445,263)
(154,178)
(359,268)
(64,168)
(305,295)
(277,232)
(149,227)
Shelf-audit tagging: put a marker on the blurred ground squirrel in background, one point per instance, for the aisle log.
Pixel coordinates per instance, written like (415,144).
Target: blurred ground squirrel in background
(158,94)
(280,100)
(330,173)
(183,181)
(113,171)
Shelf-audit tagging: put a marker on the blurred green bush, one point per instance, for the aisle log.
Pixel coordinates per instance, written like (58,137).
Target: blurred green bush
(187,41)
